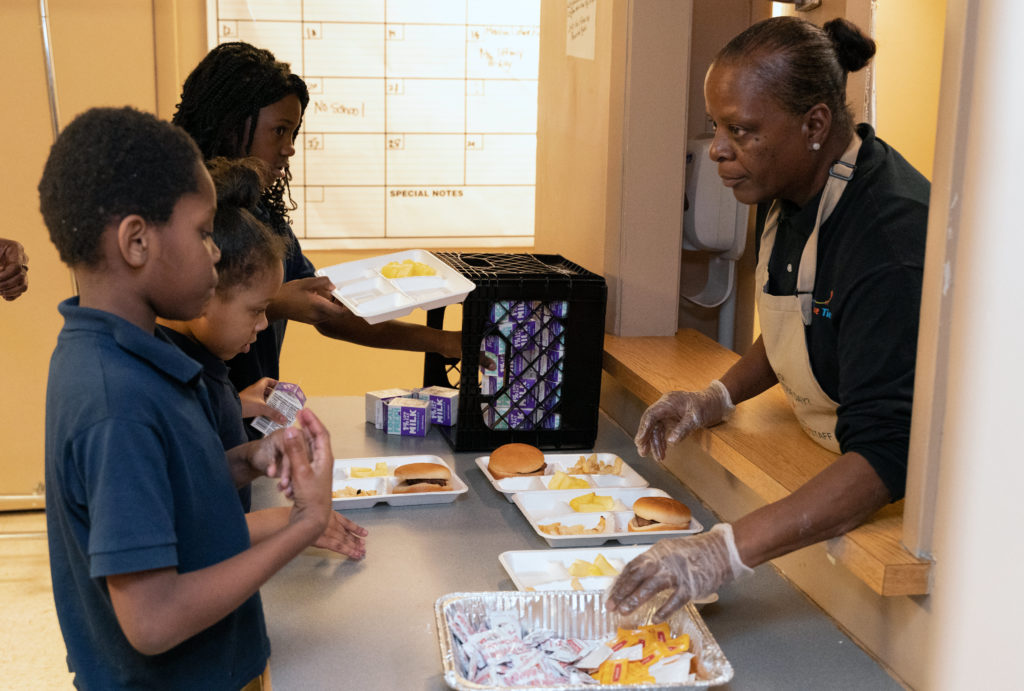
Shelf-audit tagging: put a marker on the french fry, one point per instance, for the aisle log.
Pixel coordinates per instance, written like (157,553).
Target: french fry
(559,529)
(589,465)
(346,492)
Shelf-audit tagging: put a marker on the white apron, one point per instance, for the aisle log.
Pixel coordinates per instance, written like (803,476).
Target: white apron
(783,317)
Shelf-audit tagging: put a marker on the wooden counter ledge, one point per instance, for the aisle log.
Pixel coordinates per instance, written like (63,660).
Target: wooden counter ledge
(764,447)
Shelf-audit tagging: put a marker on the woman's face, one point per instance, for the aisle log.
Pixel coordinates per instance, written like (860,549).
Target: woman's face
(761,150)
(274,139)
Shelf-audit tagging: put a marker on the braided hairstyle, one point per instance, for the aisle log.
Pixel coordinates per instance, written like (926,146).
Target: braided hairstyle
(247,246)
(221,102)
(800,65)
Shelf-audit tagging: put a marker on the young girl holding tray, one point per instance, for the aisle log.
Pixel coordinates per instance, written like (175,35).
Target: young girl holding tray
(240,101)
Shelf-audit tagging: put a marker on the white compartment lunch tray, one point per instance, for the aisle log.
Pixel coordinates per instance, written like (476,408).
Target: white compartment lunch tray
(510,486)
(543,508)
(548,569)
(384,485)
(360,286)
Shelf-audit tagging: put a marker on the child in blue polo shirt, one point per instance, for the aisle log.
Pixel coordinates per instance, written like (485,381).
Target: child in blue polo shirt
(155,574)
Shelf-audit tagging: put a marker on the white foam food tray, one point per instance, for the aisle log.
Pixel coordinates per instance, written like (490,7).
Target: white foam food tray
(510,486)
(548,569)
(384,485)
(545,508)
(360,286)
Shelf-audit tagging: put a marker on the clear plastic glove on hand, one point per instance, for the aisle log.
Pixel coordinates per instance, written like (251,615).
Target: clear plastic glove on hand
(694,566)
(678,413)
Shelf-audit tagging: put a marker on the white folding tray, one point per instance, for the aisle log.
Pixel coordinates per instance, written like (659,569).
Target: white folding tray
(562,461)
(548,569)
(543,508)
(384,485)
(360,286)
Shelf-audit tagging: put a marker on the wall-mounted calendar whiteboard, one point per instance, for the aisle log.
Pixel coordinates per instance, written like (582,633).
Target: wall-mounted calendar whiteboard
(422,124)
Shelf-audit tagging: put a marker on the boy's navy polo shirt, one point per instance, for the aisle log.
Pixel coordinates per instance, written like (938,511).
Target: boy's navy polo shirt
(224,400)
(136,479)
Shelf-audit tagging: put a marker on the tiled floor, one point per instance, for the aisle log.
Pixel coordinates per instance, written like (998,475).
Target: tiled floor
(32,654)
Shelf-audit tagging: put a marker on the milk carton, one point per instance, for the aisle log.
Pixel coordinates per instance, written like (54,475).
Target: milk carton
(286,399)
(376,404)
(408,417)
(444,403)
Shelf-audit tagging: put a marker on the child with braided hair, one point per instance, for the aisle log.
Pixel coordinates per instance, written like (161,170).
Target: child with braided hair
(240,101)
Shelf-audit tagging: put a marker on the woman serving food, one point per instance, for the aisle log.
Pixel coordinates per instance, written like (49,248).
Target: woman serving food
(838,280)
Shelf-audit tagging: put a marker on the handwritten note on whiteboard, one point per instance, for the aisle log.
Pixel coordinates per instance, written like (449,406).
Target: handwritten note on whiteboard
(422,124)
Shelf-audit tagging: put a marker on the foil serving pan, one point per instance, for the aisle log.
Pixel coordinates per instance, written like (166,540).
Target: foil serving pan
(577,614)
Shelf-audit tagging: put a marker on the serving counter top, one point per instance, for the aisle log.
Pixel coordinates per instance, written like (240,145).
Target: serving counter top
(336,623)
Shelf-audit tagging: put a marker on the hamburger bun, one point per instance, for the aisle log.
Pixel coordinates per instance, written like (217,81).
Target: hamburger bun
(658,513)
(413,478)
(516,460)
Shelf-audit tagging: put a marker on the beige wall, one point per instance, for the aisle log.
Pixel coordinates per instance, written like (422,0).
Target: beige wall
(121,72)
(907,73)
(611,152)
(580,102)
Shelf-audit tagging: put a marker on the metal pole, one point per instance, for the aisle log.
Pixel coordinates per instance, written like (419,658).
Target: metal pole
(51,82)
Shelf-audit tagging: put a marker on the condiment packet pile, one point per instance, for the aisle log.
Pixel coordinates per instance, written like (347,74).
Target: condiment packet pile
(647,655)
(501,653)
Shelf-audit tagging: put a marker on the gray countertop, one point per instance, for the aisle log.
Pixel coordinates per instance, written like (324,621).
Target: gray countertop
(336,623)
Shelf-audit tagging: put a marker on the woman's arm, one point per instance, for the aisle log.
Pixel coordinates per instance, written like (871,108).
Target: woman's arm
(836,500)
(678,413)
(751,375)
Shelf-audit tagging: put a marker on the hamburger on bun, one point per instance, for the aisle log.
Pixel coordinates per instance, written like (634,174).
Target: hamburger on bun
(658,513)
(516,460)
(422,477)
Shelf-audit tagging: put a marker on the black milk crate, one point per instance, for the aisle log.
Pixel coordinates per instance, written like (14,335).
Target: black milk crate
(540,317)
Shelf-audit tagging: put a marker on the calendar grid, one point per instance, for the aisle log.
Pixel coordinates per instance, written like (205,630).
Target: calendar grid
(420,131)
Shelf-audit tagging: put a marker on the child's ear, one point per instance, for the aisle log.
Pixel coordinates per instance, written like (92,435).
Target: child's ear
(134,236)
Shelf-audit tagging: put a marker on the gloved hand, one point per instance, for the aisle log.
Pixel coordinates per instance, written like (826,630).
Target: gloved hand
(678,413)
(695,566)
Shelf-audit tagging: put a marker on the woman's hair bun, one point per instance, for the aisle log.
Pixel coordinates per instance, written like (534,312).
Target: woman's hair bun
(239,182)
(853,49)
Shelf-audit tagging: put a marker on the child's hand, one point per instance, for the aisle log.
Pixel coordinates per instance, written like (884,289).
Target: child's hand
(311,468)
(254,401)
(306,300)
(343,536)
